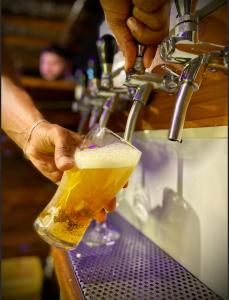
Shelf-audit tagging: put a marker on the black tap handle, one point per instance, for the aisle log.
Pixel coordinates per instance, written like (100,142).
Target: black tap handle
(85,78)
(187,7)
(106,49)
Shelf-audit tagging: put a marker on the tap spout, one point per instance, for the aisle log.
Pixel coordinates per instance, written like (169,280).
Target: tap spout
(108,107)
(191,79)
(83,121)
(95,113)
(131,121)
(141,97)
(183,99)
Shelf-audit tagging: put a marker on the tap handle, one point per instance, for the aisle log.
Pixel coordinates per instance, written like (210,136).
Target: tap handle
(138,65)
(90,69)
(140,50)
(106,49)
(183,7)
(187,7)
(93,69)
(93,72)
(80,77)
(81,84)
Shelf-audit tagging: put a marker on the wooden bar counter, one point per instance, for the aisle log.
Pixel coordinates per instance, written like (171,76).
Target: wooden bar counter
(69,285)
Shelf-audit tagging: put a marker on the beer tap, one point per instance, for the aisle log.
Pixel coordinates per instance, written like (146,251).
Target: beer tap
(190,81)
(85,89)
(108,94)
(86,93)
(81,103)
(106,49)
(96,101)
(185,48)
(142,84)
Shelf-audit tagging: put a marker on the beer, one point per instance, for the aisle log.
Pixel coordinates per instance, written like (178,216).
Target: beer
(84,190)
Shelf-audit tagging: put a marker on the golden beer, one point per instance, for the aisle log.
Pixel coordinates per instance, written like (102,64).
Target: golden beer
(84,190)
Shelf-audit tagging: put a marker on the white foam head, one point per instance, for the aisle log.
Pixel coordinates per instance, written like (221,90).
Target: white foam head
(116,155)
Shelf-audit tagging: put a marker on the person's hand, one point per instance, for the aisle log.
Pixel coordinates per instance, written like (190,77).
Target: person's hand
(51,149)
(146,21)
(110,207)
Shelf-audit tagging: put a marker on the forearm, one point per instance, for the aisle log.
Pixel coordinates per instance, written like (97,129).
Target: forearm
(18,111)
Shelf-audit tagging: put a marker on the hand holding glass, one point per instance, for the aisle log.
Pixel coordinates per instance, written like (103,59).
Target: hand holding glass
(104,163)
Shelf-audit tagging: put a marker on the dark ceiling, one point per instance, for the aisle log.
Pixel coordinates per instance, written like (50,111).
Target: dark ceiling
(28,26)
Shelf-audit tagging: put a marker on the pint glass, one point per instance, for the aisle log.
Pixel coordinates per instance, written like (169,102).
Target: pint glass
(103,164)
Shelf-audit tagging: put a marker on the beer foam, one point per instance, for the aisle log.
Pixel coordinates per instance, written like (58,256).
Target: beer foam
(115,155)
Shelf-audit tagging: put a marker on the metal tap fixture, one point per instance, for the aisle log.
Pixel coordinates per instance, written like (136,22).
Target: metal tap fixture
(93,86)
(98,97)
(81,104)
(190,81)
(106,49)
(86,92)
(182,48)
(107,95)
(186,30)
(196,56)
(142,84)
(184,44)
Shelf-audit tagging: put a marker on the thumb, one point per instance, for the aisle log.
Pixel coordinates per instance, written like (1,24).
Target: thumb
(65,145)
(126,42)
(149,55)
(130,52)
(64,157)
(128,45)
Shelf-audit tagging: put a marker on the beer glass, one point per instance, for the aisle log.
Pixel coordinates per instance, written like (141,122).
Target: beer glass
(103,164)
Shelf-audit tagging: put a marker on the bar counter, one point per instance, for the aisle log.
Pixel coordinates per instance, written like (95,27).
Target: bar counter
(133,268)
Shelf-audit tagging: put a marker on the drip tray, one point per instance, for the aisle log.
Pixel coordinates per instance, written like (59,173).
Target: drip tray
(133,269)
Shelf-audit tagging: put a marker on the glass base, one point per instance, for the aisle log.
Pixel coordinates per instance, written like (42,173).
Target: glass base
(101,235)
(51,239)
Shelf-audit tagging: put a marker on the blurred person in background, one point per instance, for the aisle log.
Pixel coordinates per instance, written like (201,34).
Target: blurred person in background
(55,63)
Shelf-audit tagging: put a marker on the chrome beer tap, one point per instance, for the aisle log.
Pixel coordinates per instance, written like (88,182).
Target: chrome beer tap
(81,103)
(106,49)
(182,48)
(190,81)
(141,84)
(107,94)
(96,101)
(185,48)
(86,93)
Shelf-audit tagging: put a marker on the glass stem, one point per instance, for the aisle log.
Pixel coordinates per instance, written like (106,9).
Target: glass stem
(100,226)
